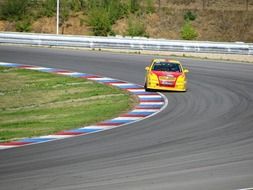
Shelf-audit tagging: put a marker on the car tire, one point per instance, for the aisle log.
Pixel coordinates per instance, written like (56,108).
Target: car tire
(145,87)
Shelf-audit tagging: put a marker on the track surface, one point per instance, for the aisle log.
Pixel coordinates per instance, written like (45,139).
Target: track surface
(202,140)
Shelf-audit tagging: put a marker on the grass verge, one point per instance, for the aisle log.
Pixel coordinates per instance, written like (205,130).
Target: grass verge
(34,103)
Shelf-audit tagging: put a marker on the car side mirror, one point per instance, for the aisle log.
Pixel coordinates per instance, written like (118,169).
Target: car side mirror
(186,71)
(147,68)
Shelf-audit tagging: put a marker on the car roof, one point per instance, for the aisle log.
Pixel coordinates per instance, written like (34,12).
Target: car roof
(166,60)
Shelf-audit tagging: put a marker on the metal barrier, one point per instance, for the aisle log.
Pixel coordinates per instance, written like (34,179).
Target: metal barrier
(126,43)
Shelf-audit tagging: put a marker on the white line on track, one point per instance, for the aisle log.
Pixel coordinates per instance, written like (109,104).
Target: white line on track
(151,103)
(6,147)
(126,118)
(102,78)
(144,110)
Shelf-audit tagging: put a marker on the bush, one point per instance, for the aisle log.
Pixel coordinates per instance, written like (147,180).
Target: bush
(134,5)
(48,8)
(14,10)
(99,20)
(102,14)
(188,32)
(150,6)
(116,10)
(76,5)
(136,28)
(23,26)
(189,16)
(65,8)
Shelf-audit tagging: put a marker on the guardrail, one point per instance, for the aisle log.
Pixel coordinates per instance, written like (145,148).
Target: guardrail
(125,43)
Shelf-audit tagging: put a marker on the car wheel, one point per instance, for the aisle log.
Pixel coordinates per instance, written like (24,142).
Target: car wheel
(145,87)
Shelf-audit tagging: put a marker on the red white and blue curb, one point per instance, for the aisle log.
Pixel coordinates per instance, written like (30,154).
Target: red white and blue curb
(150,103)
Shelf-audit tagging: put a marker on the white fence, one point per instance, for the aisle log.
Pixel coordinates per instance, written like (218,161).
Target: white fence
(126,43)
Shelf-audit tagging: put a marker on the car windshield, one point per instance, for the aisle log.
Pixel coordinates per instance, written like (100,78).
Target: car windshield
(166,66)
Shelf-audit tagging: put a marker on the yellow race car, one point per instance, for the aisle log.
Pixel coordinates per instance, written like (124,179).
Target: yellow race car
(166,74)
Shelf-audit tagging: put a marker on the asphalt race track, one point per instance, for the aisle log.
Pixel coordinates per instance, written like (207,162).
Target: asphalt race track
(202,140)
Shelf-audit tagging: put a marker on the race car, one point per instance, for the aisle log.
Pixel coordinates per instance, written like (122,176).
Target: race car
(166,74)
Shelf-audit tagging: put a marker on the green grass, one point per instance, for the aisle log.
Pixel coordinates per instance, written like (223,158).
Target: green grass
(34,103)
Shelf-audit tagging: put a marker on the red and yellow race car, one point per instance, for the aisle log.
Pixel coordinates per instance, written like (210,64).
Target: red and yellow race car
(166,74)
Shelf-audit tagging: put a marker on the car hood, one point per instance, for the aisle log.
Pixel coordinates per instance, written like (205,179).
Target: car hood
(165,73)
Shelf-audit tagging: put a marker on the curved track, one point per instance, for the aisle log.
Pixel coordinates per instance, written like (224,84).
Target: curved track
(202,140)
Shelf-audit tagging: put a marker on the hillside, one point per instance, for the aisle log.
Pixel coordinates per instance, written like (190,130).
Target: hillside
(213,20)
